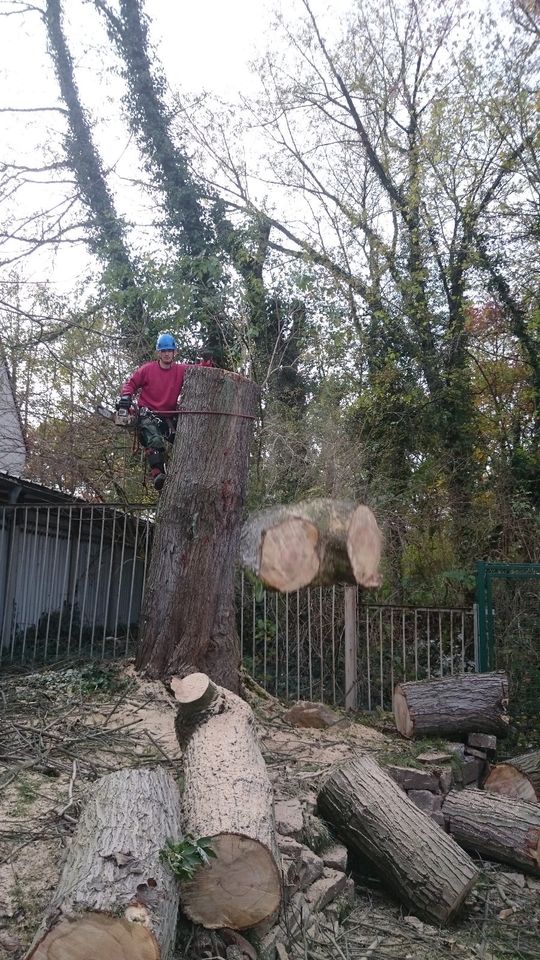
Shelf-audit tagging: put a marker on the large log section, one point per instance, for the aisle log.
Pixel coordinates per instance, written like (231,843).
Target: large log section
(188,619)
(115,899)
(468,703)
(422,865)
(498,828)
(518,778)
(228,797)
(318,543)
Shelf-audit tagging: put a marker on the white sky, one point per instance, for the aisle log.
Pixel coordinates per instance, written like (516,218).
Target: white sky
(206,44)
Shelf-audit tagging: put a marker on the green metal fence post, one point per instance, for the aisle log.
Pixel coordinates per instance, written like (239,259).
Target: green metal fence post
(481,604)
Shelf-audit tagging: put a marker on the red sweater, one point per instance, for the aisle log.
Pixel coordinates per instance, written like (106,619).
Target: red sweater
(158,389)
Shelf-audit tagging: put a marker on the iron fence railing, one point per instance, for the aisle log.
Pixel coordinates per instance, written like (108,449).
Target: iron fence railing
(72,579)
(313,645)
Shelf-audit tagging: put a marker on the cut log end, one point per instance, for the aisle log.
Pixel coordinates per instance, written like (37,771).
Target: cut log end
(190,689)
(238,889)
(289,557)
(402,714)
(364,544)
(113,938)
(506,781)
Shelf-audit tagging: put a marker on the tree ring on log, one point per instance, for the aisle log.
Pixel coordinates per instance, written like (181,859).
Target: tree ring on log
(517,777)
(289,555)
(113,938)
(238,889)
(402,714)
(364,547)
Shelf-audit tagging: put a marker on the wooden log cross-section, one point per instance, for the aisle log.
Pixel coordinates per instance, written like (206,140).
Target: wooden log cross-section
(424,867)
(227,797)
(467,703)
(115,899)
(316,543)
(498,828)
(518,777)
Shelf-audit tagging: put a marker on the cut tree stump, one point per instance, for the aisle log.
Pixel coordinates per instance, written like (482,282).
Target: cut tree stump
(423,866)
(227,797)
(188,622)
(115,899)
(518,778)
(467,703)
(498,828)
(317,543)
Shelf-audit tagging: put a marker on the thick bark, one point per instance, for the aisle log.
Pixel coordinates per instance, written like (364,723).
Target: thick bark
(115,898)
(422,865)
(518,777)
(227,797)
(317,543)
(498,828)
(469,703)
(188,621)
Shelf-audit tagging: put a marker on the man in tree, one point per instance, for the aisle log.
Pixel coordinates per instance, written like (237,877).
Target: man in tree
(157,386)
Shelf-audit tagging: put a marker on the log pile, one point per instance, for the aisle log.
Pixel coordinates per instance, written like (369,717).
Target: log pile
(115,898)
(452,706)
(227,797)
(424,867)
(317,543)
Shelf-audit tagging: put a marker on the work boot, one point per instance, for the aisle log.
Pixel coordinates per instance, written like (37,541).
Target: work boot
(159,480)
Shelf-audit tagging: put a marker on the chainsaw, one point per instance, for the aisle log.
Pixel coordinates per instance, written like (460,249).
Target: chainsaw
(120,418)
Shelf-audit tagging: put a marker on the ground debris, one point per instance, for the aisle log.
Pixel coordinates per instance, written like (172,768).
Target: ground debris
(61,729)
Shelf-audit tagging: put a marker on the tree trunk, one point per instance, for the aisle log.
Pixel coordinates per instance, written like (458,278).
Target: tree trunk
(114,898)
(518,777)
(319,543)
(469,703)
(498,828)
(227,797)
(423,866)
(188,620)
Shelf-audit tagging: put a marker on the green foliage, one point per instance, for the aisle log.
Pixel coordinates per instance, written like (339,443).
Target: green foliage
(316,834)
(97,678)
(185,856)
(27,792)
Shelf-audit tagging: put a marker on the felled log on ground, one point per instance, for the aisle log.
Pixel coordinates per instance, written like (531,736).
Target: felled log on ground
(423,866)
(317,543)
(115,899)
(518,778)
(467,703)
(498,828)
(227,797)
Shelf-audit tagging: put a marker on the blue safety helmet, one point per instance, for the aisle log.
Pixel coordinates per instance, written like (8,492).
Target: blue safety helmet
(165,341)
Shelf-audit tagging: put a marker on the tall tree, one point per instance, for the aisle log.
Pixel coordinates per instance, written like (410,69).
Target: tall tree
(106,233)
(384,146)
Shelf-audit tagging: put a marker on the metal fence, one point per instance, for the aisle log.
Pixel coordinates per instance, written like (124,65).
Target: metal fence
(325,644)
(72,580)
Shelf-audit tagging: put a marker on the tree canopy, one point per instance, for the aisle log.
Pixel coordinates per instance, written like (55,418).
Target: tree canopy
(360,236)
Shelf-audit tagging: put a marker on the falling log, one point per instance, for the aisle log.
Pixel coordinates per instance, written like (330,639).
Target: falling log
(498,828)
(467,703)
(518,778)
(319,543)
(228,798)
(423,866)
(115,899)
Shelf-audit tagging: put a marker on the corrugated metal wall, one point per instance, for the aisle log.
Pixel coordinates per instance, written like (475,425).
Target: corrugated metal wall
(71,579)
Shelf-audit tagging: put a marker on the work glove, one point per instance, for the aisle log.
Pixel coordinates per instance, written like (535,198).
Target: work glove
(124,403)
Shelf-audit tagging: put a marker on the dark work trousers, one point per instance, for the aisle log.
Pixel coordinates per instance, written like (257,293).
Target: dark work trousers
(155,431)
